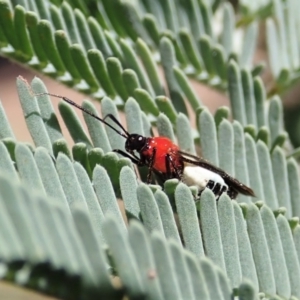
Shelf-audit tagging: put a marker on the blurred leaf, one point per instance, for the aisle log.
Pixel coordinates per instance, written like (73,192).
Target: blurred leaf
(211,228)
(168,61)
(236,92)
(188,220)
(260,251)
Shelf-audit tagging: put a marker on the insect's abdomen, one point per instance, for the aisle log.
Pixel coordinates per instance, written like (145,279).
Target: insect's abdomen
(198,176)
(163,147)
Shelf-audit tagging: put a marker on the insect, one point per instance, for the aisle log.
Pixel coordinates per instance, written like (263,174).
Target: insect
(165,159)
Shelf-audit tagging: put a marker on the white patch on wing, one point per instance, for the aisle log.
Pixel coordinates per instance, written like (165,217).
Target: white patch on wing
(198,176)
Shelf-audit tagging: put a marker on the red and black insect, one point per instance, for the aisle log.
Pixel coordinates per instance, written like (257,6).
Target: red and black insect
(165,158)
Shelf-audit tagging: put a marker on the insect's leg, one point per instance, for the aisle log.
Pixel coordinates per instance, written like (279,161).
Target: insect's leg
(134,159)
(141,159)
(169,161)
(168,168)
(150,166)
(200,193)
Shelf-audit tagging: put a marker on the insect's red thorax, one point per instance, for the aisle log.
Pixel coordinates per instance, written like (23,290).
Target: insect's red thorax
(163,146)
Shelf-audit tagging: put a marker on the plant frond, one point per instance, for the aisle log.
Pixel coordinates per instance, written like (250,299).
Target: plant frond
(238,239)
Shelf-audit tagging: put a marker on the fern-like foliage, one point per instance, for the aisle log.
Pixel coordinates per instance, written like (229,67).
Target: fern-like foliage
(62,229)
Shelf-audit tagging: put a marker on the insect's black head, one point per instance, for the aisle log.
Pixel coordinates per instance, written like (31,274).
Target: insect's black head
(135,142)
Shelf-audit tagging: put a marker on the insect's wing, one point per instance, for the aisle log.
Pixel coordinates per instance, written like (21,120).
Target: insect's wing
(230,181)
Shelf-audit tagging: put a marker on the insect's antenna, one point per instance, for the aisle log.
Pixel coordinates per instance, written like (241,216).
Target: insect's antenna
(112,117)
(125,134)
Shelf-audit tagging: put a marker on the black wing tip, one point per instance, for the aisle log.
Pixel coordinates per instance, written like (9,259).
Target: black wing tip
(245,190)
(241,188)
(252,193)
